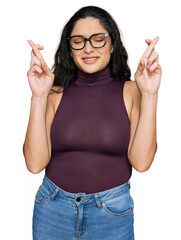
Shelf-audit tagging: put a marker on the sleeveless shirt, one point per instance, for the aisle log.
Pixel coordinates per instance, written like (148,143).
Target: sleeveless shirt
(90,134)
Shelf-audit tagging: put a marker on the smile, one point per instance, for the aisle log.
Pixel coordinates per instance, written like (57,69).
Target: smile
(90,59)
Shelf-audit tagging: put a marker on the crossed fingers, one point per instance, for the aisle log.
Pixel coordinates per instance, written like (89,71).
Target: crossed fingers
(36,57)
(34,60)
(150,57)
(35,51)
(150,48)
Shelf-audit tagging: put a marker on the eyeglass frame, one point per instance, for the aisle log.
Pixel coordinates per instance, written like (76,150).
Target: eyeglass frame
(89,39)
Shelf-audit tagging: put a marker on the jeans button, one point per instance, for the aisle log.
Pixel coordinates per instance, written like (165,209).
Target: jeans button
(78,199)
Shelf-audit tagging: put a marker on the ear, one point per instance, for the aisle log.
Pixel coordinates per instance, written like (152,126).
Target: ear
(112,49)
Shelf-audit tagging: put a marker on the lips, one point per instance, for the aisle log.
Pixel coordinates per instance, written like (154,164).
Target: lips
(90,59)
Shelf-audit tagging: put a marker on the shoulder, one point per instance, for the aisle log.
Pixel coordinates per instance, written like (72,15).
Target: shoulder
(133,91)
(55,96)
(132,98)
(132,87)
(136,102)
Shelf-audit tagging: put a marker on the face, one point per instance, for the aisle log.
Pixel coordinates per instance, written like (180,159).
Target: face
(90,59)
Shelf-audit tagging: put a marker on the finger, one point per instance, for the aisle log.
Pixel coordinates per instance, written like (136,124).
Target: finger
(37,69)
(148,41)
(46,69)
(39,56)
(31,72)
(152,58)
(36,51)
(140,68)
(34,70)
(42,65)
(153,67)
(150,48)
(34,60)
(39,47)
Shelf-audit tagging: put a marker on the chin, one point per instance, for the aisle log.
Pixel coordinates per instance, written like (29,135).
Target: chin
(91,69)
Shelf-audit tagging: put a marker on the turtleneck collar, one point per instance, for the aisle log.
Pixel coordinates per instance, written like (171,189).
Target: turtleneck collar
(103,77)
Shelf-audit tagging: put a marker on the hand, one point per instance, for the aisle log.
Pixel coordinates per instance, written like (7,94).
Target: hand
(40,77)
(148,74)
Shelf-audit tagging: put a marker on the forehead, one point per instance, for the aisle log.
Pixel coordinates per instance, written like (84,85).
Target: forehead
(87,27)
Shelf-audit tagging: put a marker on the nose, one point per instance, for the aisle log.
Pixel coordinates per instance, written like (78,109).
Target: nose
(88,48)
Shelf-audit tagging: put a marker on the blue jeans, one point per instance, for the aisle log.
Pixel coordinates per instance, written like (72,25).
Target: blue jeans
(106,215)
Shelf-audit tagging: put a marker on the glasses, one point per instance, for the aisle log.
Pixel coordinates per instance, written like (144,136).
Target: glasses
(97,40)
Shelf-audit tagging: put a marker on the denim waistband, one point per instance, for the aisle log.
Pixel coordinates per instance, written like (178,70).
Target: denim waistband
(83,197)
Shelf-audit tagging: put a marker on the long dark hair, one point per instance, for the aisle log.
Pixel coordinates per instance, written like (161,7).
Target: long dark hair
(64,67)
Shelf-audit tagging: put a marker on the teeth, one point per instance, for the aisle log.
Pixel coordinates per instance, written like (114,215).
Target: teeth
(90,58)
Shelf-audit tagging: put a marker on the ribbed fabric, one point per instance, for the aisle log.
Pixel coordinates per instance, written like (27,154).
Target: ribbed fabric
(90,135)
(100,78)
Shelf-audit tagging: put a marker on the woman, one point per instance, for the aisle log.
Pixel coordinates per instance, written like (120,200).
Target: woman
(87,133)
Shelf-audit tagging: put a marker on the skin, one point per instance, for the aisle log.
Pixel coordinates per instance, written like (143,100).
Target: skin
(87,27)
(140,96)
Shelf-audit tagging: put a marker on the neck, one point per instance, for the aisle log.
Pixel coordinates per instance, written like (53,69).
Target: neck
(100,78)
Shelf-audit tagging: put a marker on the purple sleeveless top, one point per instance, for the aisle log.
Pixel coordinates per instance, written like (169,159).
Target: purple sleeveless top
(90,135)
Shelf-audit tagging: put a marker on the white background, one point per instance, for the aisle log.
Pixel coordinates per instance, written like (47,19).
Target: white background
(156,193)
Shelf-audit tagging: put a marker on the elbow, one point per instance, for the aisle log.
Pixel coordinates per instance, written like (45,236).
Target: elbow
(142,165)
(33,165)
(142,169)
(146,164)
(34,170)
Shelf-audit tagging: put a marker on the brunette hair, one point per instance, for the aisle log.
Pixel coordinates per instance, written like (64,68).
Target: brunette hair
(64,67)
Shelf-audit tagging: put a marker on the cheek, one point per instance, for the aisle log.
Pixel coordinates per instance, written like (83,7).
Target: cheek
(75,56)
(106,51)
(106,54)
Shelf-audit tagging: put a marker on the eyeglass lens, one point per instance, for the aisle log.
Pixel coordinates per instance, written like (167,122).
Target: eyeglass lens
(96,40)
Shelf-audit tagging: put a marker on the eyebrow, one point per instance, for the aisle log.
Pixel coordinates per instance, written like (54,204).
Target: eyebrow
(89,35)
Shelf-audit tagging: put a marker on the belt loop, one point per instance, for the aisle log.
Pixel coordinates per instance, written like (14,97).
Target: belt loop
(54,194)
(97,200)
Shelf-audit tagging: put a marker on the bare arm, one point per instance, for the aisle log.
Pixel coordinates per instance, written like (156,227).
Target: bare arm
(37,146)
(143,145)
